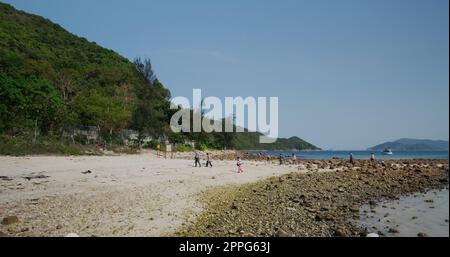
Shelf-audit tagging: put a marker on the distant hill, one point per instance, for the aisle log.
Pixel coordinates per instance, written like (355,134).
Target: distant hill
(412,144)
(250,141)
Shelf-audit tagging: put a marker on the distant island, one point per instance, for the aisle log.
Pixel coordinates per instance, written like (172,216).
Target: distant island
(412,144)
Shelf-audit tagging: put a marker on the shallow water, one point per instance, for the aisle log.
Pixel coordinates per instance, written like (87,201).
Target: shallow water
(410,215)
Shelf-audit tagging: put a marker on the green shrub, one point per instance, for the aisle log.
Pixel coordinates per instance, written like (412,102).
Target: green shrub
(24,145)
(201,147)
(183,148)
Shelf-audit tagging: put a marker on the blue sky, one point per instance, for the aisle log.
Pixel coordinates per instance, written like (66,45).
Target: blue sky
(348,74)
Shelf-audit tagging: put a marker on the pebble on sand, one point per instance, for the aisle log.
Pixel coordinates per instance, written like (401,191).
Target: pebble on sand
(72,235)
(10,220)
(393,231)
(422,234)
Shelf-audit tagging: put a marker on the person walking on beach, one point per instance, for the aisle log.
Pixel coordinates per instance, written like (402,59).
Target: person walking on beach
(208,161)
(280,158)
(239,165)
(197,159)
(351,158)
(372,157)
(294,158)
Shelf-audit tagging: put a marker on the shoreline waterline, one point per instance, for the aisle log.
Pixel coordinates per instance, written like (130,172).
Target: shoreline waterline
(357,154)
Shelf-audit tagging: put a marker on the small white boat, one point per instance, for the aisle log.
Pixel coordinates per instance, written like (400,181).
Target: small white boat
(387,152)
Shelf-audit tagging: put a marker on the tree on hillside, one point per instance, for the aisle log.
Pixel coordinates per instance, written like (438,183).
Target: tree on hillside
(145,69)
(65,84)
(102,110)
(152,113)
(26,105)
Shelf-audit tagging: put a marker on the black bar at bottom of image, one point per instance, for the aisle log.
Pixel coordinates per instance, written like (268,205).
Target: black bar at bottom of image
(229,246)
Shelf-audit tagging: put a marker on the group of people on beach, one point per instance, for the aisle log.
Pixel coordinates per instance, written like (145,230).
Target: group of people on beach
(209,163)
(197,160)
(280,159)
(352,160)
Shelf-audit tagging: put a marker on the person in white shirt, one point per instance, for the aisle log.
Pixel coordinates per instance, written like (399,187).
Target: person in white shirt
(197,159)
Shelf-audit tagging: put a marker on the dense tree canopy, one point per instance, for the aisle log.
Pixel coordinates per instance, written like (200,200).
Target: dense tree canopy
(61,80)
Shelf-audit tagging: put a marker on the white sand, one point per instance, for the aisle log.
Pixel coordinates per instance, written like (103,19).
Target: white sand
(127,195)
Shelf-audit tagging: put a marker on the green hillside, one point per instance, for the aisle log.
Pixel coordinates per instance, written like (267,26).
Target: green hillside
(52,81)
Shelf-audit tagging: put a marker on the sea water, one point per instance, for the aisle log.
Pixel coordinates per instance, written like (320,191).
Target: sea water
(363,155)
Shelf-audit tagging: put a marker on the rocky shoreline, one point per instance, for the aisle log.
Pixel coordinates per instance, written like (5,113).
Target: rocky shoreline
(314,203)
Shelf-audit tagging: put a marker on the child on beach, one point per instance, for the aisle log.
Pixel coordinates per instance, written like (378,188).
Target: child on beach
(208,161)
(197,159)
(280,158)
(351,158)
(239,165)
(372,157)
(294,158)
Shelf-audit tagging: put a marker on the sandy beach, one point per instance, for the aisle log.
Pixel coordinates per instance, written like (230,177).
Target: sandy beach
(125,195)
(147,195)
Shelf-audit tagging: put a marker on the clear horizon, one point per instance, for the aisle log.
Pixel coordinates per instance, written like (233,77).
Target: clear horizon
(349,75)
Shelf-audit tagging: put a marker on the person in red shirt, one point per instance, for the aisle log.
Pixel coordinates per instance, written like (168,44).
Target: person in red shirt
(239,165)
